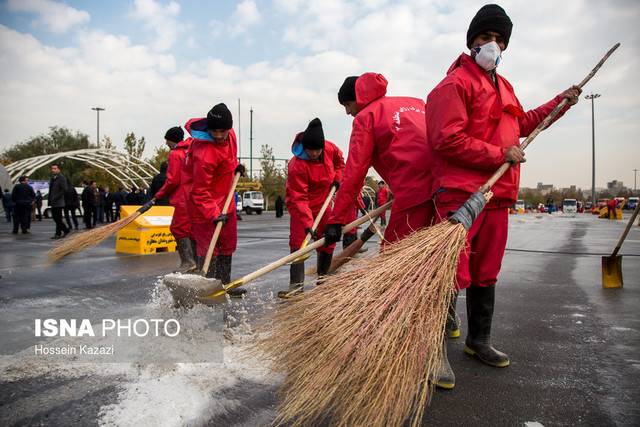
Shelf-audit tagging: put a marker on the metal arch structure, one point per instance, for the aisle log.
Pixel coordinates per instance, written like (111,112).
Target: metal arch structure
(127,170)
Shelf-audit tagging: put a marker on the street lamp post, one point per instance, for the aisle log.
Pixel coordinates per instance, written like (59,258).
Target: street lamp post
(593,148)
(97,110)
(635,181)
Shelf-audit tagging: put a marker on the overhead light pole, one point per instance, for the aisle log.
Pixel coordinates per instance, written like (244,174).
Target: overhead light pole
(97,110)
(635,181)
(593,96)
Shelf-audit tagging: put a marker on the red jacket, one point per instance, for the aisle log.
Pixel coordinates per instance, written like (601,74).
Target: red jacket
(172,187)
(383,196)
(389,134)
(208,171)
(469,127)
(309,182)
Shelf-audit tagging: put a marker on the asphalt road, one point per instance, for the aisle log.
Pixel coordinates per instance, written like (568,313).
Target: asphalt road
(573,345)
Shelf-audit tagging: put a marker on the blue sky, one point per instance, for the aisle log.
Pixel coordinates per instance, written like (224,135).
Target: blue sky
(155,63)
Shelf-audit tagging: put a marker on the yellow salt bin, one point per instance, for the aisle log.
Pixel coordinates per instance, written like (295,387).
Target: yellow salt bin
(148,234)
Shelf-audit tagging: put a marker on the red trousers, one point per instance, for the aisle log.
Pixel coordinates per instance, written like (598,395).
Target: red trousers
(297,234)
(226,245)
(180,223)
(350,219)
(404,222)
(481,260)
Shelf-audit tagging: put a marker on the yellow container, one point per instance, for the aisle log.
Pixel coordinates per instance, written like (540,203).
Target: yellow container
(148,234)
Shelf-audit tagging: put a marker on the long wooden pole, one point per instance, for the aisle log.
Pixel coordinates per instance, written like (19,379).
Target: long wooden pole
(216,233)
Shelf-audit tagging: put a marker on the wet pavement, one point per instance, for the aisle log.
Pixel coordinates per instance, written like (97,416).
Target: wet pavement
(573,345)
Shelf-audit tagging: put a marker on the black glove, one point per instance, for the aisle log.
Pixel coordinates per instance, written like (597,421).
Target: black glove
(240,169)
(314,235)
(148,205)
(222,218)
(332,233)
(336,184)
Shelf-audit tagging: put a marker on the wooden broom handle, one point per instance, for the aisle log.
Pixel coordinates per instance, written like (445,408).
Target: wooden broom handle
(545,123)
(216,233)
(626,230)
(316,222)
(292,256)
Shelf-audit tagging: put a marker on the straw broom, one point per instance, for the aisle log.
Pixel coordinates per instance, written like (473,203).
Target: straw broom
(81,241)
(363,348)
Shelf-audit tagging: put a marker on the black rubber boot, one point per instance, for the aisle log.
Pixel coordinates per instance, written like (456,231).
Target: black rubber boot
(446,378)
(324,263)
(187,256)
(480,303)
(199,264)
(222,272)
(296,281)
(348,239)
(453,320)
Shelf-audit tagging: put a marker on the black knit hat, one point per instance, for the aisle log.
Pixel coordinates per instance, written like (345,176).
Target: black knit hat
(175,134)
(347,91)
(313,137)
(219,117)
(490,17)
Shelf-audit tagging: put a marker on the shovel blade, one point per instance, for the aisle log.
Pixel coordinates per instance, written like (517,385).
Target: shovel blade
(190,289)
(612,272)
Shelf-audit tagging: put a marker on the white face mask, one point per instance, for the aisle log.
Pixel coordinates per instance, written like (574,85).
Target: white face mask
(488,55)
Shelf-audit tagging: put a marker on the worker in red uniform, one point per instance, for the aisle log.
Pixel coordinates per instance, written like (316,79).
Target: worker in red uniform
(316,166)
(474,125)
(174,190)
(389,134)
(611,208)
(210,167)
(382,198)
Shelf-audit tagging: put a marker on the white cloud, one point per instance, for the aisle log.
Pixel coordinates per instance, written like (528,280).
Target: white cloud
(56,17)
(245,15)
(162,20)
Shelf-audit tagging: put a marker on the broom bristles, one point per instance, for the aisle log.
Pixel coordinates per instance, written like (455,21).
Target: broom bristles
(81,241)
(364,347)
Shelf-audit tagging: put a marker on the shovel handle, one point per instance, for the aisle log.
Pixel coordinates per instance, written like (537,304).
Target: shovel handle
(216,232)
(626,230)
(546,122)
(292,256)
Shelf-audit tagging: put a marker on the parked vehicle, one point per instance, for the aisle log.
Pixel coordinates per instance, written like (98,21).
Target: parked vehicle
(519,207)
(46,210)
(569,207)
(632,202)
(252,201)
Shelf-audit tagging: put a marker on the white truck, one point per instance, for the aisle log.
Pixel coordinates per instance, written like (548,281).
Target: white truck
(569,207)
(252,201)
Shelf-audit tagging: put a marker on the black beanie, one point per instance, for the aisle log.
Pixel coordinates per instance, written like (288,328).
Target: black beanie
(347,91)
(313,137)
(219,117)
(175,134)
(490,17)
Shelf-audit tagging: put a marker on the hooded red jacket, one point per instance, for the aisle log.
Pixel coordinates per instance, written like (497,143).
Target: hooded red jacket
(172,186)
(309,182)
(470,125)
(208,171)
(389,134)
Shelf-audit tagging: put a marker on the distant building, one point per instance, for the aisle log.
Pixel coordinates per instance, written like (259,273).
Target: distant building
(615,185)
(544,189)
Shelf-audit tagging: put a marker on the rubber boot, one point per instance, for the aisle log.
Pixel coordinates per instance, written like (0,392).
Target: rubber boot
(222,272)
(453,321)
(324,264)
(446,378)
(348,239)
(480,303)
(199,264)
(187,259)
(296,280)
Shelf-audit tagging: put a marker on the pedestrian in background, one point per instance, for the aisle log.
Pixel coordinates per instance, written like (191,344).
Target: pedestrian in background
(156,184)
(7,204)
(381,198)
(279,207)
(57,191)
(23,198)
(38,206)
(119,200)
(71,203)
(100,205)
(88,205)
(107,203)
